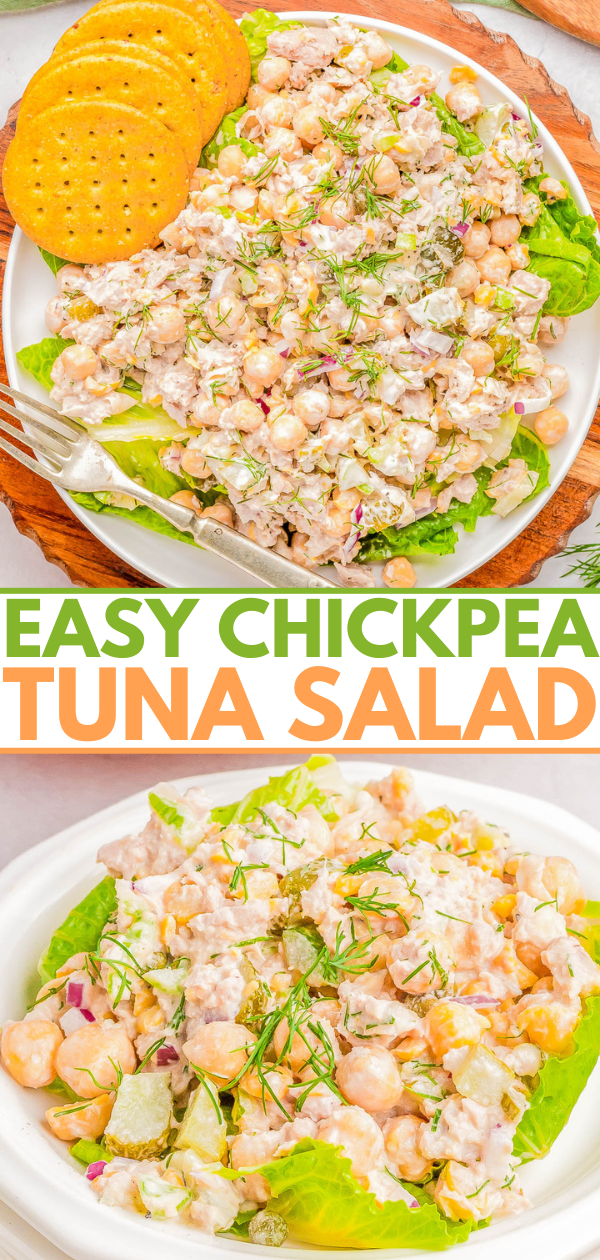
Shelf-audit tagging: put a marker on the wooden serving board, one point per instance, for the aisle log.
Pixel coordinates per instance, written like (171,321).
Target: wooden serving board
(576,17)
(40,514)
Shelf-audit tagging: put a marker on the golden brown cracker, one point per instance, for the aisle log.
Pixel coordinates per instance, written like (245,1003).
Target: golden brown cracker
(145,22)
(95,181)
(121,77)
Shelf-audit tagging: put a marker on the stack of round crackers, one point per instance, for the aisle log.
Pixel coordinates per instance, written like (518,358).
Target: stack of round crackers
(111,128)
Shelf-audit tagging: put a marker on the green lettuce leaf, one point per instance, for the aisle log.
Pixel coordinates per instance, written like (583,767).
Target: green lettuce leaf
(52,260)
(140,515)
(255,27)
(295,789)
(63,1090)
(564,250)
(81,929)
(468,143)
(314,1191)
(88,1152)
(239,1228)
(39,358)
(561,1083)
(165,810)
(226,135)
(435,535)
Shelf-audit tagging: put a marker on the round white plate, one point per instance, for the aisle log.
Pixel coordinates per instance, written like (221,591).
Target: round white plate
(29,284)
(40,1181)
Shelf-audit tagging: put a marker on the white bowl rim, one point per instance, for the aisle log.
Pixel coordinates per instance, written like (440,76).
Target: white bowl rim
(107,529)
(55,1206)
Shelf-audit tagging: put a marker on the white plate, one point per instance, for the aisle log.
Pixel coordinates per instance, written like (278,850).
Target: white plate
(29,284)
(40,1181)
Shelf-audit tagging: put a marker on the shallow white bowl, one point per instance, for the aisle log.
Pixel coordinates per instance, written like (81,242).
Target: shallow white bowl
(29,284)
(40,1181)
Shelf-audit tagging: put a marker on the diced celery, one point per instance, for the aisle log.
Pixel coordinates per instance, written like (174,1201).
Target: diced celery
(203,1128)
(302,947)
(167,979)
(89,1152)
(504,300)
(161,1199)
(491,121)
(406,241)
(141,1119)
(483,1077)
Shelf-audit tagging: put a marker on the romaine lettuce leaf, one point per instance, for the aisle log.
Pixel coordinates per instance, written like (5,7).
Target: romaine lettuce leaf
(564,251)
(561,1083)
(140,515)
(81,929)
(295,789)
(39,358)
(526,445)
(314,1191)
(255,27)
(226,135)
(166,810)
(53,261)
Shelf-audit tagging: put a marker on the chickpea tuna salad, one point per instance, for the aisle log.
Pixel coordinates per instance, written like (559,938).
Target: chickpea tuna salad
(320,1010)
(340,346)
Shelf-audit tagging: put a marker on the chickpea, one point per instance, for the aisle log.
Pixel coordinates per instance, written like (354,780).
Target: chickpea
(28,1050)
(384,175)
(220,1049)
(266,204)
(449,1025)
(339,378)
(187,499)
(225,314)
(518,256)
(359,1136)
(464,100)
(378,52)
(494,266)
(183,901)
(399,573)
(55,315)
(69,278)
(551,331)
(558,377)
(166,325)
(505,230)
(337,213)
(337,522)
(298,1054)
(308,127)
(480,357)
(460,73)
(280,141)
(464,277)
(278,111)
(311,406)
(200,178)
(553,189)
(79,362)
(369,1078)
(551,425)
(257,95)
(549,1025)
(232,162)
(477,240)
(88,1059)
(531,208)
(327,151)
(243,198)
(194,463)
(219,512)
(115,354)
(336,438)
(262,367)
(288,432)
(401,1137)
(279,1079)
(246,416)
(87,1122)
(562,881)
(272,72)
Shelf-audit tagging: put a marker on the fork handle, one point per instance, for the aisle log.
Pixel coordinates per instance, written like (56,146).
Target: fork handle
(260,562)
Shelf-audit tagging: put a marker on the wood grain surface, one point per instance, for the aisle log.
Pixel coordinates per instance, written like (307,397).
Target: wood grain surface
(576,17)
(40,514)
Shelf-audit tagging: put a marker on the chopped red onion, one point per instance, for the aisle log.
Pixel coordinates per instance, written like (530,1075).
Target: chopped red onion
(95,1170)
(477,999)
(516,117)
(519,408)
(357,514)
(426,511)
(166,1054)
(262,404)
(91,1019)
(416,100)
(282,347)
(460,228)
(74,993)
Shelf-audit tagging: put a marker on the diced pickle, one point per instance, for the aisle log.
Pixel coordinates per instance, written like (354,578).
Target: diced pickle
(500,343)
(431,825)
(257,997)
(141,1118)
(420,1005)
(203,1128)
(484,1078)
(293,885)
(302,947)
(82,309)
(268,1229)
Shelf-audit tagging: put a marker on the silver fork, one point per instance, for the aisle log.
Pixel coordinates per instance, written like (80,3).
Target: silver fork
(75,461)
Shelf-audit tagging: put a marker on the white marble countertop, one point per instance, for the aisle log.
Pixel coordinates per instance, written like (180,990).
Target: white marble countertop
(27,40)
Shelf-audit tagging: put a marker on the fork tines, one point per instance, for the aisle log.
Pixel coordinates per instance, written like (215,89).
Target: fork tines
(56,438)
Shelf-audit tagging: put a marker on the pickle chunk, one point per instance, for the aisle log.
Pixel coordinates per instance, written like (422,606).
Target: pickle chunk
(141,1118)
(203,1128)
